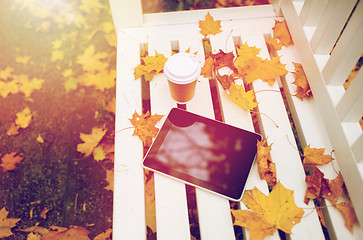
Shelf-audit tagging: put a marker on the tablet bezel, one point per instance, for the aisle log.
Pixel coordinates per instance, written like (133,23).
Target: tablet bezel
(150,163)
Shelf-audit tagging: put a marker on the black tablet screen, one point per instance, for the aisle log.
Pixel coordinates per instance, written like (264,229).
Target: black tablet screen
(204,152)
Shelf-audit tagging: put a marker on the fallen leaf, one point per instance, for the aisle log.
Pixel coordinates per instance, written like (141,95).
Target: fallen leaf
(145,126)
(109,179)
(275,43)
(6,73)
(266,168)
(281,32)
(98,153)
(90,140)
(71,84)
(208,68)
(23,118)
(9,161)
(315,156)
(13,129)
(101,80)
(335,189)
(222,59)
(105,235)
(40,139)
(91,6)
(150,66)
(245,100)
(246,56)
(209,26)
(225,80)
(43,213)
(303,88)
(6,224)
(268,213)
(313,180)
(73,233)
(349,215)
(92,61)
(111,105)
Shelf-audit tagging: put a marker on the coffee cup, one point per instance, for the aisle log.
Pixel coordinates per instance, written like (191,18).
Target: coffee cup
(182,70)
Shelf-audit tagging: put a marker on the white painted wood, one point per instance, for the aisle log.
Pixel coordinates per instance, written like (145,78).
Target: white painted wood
(350,107)
(311,131)
(348,165)
(312,12)
(126,13)
(129,200)
(347,51)
(332,22)
(358,149)
(283,154)
(170,195)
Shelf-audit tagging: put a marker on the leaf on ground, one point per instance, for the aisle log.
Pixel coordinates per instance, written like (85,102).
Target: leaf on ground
(43,213)
(245,100)
(6,224)
(71,84)
(98,153)
(9,161)
(315,156)
(145,126)
(303,88)
(13,130)
(150,66)
(209,26)
(349,215)
(268,213)
(105,235)
(40,139)
(101,80)
(91,6)
(266,168)
(92,61)
(90,140)
(282,33)
(109,179)
(72,233)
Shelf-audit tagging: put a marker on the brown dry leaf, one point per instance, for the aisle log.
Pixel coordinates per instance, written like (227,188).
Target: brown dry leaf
(150,66)
(222,59)
(245,100)
(145,126)
(266,168)
(349,215)
(9,161)
(105,235)
(335,189)
(303,88)
(268,213)
(314,182)
(209,26)
(315,156)
(90,140)
(225,80)
(281,32)
(43,213)
(6,224)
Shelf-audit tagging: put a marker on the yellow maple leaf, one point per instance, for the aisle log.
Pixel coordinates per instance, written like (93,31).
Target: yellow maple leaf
(40,139)
(6,224)
(109,179)
(315,156)
(150,66)
(303,88)
(57,55)
(102,80)
(209,26)
(268,70)
(22,59)
(92,61)
(27,87)
(145,126)
(13,130)
(281,32)
(245,100)
(98,153)
(268,213)
(23,118)
(6,73)
(90,140)
(246,56)
(9,161)
(266,168)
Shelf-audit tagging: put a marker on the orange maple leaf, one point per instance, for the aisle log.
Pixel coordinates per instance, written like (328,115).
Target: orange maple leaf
(281,32)
(9,161)
(209,26)
(349,215)
(6,224)
(246,56)
(315,156)
(303,88)
(208,68)
(335,189)
(266,168)
(245,100)
(145,126)
(314,180)
(90,140)
(268,213)
(225,80)
(150,66)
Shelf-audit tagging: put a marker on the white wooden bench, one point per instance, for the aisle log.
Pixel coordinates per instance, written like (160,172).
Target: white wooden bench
(328,120)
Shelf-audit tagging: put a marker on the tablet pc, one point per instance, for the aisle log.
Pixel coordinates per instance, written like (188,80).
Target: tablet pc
(204,153)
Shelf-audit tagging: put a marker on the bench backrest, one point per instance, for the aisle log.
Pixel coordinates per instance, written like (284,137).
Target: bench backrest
(327,35)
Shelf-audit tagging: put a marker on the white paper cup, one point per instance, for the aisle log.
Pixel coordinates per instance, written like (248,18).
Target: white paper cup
(182,71)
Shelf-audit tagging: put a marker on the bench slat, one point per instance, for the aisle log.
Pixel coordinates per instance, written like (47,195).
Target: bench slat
(326,34)
(312,11)
(348,50)
(129,207)
(310,129)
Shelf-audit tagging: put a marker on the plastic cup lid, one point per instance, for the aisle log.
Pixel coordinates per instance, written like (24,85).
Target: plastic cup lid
(182,68)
